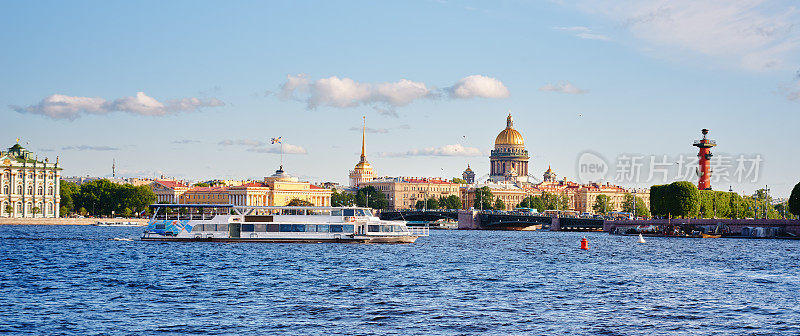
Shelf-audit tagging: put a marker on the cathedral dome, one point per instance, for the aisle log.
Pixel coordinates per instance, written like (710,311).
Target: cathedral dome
(509,136)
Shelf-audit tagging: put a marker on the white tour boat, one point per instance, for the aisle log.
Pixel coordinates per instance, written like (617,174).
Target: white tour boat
(229,223)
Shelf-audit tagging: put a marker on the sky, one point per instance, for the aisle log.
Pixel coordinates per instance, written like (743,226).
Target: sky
(196,89)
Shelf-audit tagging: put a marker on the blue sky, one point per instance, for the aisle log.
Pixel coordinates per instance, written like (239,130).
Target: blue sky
(435,80)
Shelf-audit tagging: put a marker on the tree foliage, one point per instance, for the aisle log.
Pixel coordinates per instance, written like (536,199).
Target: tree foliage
(371,197)
(342,199)
(683,200)
(67,195)
(450,202)
(629,205)
(603,204)
(499,204)
(299,202)
(545,201)
(483,198)
(102,197)
(201,184)
(794,200)
(458,180)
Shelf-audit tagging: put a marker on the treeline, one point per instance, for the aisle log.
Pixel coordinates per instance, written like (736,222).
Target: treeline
(104,198)
(545,201)
(682,199)
(449,202)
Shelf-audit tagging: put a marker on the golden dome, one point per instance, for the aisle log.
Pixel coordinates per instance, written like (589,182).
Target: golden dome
(509,136)
(363,165)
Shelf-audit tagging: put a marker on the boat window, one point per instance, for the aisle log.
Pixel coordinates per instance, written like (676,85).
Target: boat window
(336,228)
(322,228)
(360,212)
(298,228)
(336,212)
(400,228)
(319,212)
(367,212)
(386,228)
(311,228)
(198,227)
(248,228)
(374,228)
(349,212)
(286,227)
(160,226)
(272,227)
(261,227)
(348,228)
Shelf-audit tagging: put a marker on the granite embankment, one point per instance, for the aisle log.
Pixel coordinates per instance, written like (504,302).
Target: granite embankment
(67,221)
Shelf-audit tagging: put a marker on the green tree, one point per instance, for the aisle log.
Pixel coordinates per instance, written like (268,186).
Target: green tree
(371,197)
(433,203)
(603,204)
(126,212)
(342,199)
(419,205)
(630,204)
(9,209)
(532,202)
(658,205)
(67,194)
(450,202)
(201,184)
(763,203)
(499,204)
(299,202)
(682,199)
(458,180)
(36,210)
(794,200)
(483,198)
(83,211)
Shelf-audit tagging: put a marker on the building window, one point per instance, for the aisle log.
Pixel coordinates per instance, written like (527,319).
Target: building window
(19,189)
(40,191)
(30,190)
(50,190)
(5,189)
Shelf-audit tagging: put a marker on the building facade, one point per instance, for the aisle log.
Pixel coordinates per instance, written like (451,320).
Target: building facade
(168,191)
(404,192)
(30,188)
(509,158)
(205,195)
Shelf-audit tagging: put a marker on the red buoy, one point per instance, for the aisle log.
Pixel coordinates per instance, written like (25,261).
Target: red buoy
(584,244)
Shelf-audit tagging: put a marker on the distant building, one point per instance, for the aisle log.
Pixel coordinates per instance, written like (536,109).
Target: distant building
(284,188)
(468,175)
(168,191)
(508,192)
(135,181)
(30,188)
(509,158)
(363,171)
(404,192)
(205,195)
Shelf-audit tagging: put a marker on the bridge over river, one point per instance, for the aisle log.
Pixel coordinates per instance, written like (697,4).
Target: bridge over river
(496,220)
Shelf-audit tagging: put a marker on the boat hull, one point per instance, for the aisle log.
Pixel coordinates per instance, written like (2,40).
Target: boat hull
(356,240)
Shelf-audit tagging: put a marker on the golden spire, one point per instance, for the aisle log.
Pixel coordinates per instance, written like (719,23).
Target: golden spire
(364,140)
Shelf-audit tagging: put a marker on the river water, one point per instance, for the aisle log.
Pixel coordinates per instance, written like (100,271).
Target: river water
(77,280)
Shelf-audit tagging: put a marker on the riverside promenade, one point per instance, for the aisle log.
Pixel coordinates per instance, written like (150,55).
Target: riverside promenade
(791,226)
(68,221)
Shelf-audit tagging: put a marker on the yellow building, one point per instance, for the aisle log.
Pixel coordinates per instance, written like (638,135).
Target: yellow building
(404,192)
(509,193)
(284,188)
(205,195)
(249,194)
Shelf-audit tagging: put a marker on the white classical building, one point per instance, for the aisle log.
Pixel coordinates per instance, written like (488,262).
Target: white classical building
(30,188)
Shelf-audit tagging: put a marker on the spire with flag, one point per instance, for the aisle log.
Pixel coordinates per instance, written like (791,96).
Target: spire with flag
(278,141)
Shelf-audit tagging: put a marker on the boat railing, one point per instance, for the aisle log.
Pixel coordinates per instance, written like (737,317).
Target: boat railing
(419,231)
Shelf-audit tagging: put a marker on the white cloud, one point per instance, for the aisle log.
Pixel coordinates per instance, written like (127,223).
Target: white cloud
(59,106)
(583,32)
(90,148)
(276,149)
(752,34)
(479,86)
(258,146)
(448,150)
(383,97)
(563,87)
